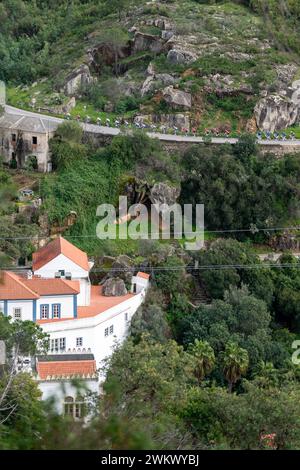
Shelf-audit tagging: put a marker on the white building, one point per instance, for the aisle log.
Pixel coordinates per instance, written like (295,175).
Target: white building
(79,319)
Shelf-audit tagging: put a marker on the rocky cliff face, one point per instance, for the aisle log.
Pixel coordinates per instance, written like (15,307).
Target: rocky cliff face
(187,64)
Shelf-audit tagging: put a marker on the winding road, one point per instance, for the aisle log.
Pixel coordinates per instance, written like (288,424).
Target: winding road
(112,131)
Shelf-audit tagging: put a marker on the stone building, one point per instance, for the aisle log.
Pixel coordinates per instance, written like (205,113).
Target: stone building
(24,136)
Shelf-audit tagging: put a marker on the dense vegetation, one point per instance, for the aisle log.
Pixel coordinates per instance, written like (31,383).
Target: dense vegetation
(197,372)
(210,374)
(240,188)
(42,42)
(39,38)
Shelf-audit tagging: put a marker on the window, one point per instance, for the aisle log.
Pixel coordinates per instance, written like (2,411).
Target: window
(34,140)
(13,137)
(58,345)
(109,331)
(126,316)
(78,410)
(56,311)
(69,406)
(17,313)
(74,408)
(44,312)
(79,342)
(62,272)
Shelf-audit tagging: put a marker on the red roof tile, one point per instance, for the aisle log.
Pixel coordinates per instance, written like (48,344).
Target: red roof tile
(55,248)
(100,303)
(12,287)
(53,286)
(143,275)
(62,369)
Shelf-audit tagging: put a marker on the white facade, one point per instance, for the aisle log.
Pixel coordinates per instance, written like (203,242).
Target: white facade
(62,263)
(58,390)
(93,330)
(26,307)
(87,323)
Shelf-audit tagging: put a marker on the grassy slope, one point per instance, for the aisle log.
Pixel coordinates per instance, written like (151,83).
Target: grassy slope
(233,27)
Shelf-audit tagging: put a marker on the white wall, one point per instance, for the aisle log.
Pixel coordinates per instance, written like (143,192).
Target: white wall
(58,390)
(66,302)
(140,282)
(61,262)
(92,329)
(25,305)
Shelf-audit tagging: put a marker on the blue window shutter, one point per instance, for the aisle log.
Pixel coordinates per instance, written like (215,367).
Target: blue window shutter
(59,310)
(34,310)
(41,306)
(75,305)
(5,307)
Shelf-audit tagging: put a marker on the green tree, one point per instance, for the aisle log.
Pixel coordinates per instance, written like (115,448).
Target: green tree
(150,319)
(146,383)
(204,358)
(116,39)
(224,420)
(21,412)
(170,276)
(66,147)
(236,361)
(231,253)
(246,147)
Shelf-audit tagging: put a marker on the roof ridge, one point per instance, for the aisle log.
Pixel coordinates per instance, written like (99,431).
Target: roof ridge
(17,279)
(67,282)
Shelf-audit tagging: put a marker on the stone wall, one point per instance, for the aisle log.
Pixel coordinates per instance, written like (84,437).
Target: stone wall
(101,140)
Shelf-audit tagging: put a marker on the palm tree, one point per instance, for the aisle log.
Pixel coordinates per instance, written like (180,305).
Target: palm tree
(267,374)
(204,356)
(236,361)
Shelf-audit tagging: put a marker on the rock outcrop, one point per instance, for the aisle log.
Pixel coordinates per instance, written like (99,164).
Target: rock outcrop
(114,287)
(226,85)
(79,77)
(122,268)
(147,42)
(177,98)
(156,81)
(181,56)
(162,193)
(278,111)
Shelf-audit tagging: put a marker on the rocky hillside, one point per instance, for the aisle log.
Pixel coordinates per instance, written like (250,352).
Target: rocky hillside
(176,63)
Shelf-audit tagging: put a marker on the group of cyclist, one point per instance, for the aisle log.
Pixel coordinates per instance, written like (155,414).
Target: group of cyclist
(275,135)
(121,122)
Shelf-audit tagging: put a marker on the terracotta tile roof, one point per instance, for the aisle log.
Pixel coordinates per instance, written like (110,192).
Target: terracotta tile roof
(57,247)
(100,303)
(12,287)
(143,275)
(63,369)
(53,286)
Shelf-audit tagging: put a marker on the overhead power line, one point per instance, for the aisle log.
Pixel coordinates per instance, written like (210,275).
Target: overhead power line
(151,269)
(253,230)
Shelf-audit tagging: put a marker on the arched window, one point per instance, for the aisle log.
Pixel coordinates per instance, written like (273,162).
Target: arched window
(69,406)
(74,408)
